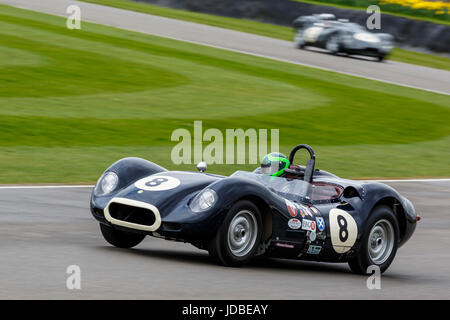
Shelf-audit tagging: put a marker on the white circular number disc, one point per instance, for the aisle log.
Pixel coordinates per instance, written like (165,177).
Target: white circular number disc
(311,34)
(157,183)
(343,229)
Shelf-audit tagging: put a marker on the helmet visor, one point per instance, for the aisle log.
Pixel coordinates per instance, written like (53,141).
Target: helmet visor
(269,167)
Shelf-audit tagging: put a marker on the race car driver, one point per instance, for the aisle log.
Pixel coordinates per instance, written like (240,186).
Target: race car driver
(274,164)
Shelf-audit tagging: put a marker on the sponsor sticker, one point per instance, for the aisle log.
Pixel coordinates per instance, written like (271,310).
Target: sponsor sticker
(314,249)
(314,210)
(294,223)
(309,212)
(296,208)
(312,236)
(302,212)
(320,223)
(309,225)
(292,208)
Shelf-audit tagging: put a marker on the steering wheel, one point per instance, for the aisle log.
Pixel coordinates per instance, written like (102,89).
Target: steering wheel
(309,170)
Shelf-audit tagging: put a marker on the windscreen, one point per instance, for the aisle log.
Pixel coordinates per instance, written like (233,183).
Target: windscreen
(294,189)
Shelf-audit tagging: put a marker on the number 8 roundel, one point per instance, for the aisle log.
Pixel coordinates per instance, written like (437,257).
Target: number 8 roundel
(343,229)
(157,183)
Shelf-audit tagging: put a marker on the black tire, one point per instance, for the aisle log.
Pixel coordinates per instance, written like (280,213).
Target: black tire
(219,248)
(336,46)
(299,42)
(380,58)
(362,261)
(119,238)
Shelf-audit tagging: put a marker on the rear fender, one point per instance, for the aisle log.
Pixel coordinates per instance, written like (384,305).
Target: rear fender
(381,194)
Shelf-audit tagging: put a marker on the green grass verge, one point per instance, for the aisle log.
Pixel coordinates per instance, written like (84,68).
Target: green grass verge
(74,101)
(264,29)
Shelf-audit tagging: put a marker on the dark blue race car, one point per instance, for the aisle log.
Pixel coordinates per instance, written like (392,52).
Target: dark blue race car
(340,36)
(307,214)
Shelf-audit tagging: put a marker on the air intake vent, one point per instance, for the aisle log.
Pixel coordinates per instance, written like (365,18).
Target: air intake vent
(132,214)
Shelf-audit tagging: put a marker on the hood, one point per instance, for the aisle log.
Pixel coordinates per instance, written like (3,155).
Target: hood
(366,37)
(165,189)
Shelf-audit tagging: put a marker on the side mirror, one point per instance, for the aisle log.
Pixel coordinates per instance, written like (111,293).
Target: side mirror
(201,166)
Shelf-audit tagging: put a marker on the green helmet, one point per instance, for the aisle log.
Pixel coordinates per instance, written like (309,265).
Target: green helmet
(274,164)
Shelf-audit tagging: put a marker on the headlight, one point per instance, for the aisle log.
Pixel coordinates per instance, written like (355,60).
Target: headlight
(203,201)
(366,37)
(106,184)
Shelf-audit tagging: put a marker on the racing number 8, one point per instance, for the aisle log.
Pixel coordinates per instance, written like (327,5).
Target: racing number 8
(156,182)
(343,231)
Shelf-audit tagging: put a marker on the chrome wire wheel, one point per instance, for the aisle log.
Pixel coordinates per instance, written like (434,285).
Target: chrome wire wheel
(381,241)
(242,233)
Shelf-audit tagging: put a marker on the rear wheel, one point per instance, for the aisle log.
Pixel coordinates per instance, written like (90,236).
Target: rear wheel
(239,236)
(119,238)
(379,243)
(380,58)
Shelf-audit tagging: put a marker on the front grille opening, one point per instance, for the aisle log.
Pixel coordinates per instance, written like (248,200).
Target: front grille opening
(132,214)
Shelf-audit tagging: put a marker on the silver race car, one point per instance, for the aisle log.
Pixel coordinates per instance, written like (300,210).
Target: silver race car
(340,36)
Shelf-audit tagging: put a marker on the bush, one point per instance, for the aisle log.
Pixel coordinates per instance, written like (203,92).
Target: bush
(437,10)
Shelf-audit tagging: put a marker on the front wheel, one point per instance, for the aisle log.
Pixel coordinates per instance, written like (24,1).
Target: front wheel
(239,236)
(299,41)
(332,45)
(119,238)
(379,243)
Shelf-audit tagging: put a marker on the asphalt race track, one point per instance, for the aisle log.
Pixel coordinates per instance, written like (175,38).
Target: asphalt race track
(389,71)
(44,230)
